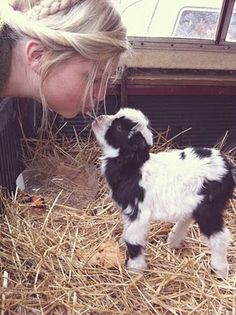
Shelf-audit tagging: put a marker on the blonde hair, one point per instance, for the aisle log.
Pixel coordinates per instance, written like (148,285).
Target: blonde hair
(66,28)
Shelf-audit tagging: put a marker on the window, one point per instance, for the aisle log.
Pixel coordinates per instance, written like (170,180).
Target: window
(197,23)
(179,19)
(231,35)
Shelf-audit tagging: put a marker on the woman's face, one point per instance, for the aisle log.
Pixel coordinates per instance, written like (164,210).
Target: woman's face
(65,85)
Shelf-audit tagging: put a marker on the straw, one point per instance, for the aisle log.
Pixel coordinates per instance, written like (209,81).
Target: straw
(45,265)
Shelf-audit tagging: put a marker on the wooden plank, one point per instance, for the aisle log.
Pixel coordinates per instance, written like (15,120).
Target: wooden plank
(176,59)
(222,80)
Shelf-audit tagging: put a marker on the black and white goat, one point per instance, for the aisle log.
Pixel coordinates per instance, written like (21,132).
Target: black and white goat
(176,186)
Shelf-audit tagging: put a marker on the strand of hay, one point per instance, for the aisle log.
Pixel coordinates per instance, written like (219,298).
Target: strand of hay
(57,261)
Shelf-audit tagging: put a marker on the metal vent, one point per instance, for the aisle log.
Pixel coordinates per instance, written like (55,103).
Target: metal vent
(9,145)
(209,117)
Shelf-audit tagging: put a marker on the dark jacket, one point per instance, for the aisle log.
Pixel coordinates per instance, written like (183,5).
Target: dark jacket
(5,56)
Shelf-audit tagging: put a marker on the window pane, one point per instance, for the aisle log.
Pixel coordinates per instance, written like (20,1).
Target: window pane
(171,18)
(197,24)
(231,36)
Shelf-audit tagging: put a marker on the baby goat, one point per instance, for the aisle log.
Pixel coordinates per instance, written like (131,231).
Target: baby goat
(176,186)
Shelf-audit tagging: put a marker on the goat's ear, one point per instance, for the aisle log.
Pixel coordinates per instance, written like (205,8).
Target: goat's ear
(137,142)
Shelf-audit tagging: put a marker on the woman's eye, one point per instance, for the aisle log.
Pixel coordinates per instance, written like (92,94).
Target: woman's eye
(98,80)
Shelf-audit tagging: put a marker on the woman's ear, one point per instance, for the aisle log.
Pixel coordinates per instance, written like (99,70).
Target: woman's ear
(34,51)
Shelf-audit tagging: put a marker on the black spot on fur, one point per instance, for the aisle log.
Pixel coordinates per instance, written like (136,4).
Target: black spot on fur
(182,155)
(202,152)
(209,213)
(123,177)
(123,172)
(134,250)
(117,134)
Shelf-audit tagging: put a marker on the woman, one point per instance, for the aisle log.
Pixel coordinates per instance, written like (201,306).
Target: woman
(59,52)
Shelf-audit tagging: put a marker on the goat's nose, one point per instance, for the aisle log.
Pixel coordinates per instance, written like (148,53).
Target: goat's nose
(100,118)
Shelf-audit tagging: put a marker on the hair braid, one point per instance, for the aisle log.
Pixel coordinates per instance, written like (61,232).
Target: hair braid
(50,7)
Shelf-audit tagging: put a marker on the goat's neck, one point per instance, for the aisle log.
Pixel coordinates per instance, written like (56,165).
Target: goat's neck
(124,165)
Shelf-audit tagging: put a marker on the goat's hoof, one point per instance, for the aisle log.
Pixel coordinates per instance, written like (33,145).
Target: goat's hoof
(137,265)
(134,270)
(221,270)
(172,242)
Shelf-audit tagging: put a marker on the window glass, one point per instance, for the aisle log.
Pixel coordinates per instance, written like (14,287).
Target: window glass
(231,36)
(195,23)
(171,18)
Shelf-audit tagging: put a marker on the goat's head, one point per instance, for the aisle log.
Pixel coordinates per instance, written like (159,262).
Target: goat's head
(126,132)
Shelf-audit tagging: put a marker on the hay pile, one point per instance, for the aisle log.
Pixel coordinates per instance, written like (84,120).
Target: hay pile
(65,259)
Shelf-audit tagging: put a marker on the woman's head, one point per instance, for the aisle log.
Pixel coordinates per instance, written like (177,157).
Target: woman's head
(73,45)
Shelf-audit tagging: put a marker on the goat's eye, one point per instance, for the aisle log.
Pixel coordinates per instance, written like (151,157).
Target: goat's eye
(118,127)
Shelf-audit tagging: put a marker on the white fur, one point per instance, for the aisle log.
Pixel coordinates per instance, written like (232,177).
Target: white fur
(178,232)
(100,126)
(172,184)
(219,243)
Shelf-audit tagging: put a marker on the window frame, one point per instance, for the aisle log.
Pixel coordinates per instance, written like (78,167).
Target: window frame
(219,44)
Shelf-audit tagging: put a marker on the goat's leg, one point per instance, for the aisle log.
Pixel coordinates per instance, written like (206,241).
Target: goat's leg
(135,239)
(218,243)
(211,225)
(126,222)
(178,232)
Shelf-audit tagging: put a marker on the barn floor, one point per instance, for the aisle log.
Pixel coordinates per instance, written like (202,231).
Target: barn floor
(65,258)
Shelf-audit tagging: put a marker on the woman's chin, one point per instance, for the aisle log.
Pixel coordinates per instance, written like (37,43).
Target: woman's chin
(68,115)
